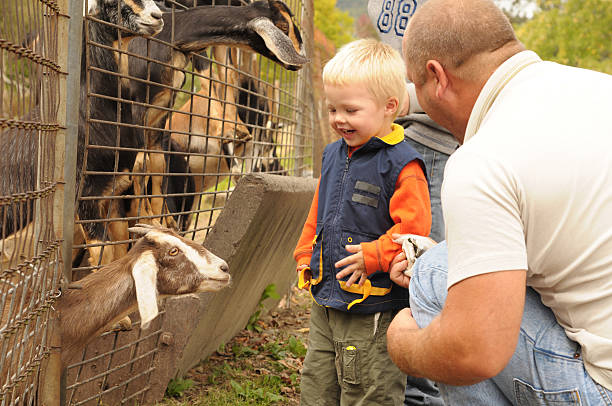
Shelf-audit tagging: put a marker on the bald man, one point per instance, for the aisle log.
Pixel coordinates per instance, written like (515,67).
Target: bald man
(516,306)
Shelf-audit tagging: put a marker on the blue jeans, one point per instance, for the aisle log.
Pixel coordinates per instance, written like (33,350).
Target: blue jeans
(546,368)
(419,391)
(434,163)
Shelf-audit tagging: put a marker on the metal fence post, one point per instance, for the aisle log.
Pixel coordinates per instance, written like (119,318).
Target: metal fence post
(69,27)
(68,150)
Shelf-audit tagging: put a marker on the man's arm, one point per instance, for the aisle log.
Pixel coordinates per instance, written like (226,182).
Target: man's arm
(472,339)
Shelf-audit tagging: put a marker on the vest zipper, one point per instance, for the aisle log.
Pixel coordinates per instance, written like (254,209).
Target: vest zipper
(339,204)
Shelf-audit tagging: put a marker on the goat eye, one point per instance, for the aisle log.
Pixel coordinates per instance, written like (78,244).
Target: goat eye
(173,251)
(284,27)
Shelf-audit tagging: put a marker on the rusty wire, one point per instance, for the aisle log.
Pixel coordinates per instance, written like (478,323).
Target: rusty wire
(29,249)
(276,137)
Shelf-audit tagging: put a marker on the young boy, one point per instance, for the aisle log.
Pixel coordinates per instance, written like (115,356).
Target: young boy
(372,185)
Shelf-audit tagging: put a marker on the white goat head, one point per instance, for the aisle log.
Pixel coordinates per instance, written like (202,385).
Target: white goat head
(141,16)
(282,37)
(166,264)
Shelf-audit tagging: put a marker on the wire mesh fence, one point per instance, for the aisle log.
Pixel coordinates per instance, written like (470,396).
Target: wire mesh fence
(169,119)
(29,250)
(168,124)
(168,131)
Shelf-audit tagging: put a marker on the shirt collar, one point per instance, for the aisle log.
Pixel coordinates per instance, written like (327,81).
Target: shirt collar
(498,80)
(394,137)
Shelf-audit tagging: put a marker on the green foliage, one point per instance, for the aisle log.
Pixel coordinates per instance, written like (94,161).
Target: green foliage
(220,374)
(264,391)
(296,347)
(337,25)
(571,32)
(276,350)
(243,351)
(177,386)
(269,292)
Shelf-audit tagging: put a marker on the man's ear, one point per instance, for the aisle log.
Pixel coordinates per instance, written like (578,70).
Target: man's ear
(435,71)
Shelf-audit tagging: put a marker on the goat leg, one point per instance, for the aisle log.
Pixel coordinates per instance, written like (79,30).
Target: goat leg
(141,206)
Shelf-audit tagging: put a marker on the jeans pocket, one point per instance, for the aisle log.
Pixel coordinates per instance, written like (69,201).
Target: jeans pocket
(527,395)
(350,362)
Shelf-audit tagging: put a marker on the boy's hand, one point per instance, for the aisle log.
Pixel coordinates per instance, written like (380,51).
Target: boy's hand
(355,265)
(307,276)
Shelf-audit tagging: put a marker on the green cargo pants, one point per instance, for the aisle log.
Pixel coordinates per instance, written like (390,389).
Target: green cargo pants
(347,361)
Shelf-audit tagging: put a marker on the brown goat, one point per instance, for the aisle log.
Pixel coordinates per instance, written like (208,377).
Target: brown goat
(160,264)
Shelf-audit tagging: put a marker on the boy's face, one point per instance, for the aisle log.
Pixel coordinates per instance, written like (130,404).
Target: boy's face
(356,115)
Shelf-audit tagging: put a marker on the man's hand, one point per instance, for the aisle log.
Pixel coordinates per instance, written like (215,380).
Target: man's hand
(355,265)
(413,246)
(396,270)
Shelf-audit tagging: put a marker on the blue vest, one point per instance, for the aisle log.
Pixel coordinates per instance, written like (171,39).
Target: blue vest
(353,207)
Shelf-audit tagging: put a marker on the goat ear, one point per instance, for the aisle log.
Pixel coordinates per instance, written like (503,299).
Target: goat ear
(277,42)
(278,6)
(141,229)
(144,273)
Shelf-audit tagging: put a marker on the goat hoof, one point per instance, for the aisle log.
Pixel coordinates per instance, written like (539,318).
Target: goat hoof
(124,324)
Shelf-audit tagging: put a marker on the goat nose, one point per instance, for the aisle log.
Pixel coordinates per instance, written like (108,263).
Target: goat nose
(156,15)
(223,267)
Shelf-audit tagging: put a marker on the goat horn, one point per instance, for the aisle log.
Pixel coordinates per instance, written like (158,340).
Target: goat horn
(277,42)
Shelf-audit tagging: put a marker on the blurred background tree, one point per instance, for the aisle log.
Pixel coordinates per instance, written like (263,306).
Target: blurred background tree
(335,24)
(571,32)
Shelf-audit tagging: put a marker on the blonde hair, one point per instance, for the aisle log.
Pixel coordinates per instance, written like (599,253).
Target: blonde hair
(372,64)
(454,31)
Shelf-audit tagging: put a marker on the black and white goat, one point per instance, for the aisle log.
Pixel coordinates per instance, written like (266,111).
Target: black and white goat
(107,142)
(265,27)
(160,264)
(100,167)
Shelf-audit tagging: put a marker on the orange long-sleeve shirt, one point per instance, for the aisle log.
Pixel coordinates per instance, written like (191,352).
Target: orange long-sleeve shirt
(409,208)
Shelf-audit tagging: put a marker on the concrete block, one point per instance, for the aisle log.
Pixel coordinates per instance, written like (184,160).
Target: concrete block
(256,234)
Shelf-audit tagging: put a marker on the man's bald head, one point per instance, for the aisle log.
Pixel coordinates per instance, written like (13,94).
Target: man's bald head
(453,32)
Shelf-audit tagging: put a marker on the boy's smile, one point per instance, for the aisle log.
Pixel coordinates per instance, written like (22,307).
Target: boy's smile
(356,115)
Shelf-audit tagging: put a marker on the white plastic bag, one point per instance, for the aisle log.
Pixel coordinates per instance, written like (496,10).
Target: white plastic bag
(413,246)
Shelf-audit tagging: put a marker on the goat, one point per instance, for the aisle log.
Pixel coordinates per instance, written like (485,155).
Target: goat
(19,171)
(18,174)
(99,171)
(140,17)
(265,27)
(198,128)
(160,264)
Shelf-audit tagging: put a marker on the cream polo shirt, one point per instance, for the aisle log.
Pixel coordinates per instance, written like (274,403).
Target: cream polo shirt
(531,188)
